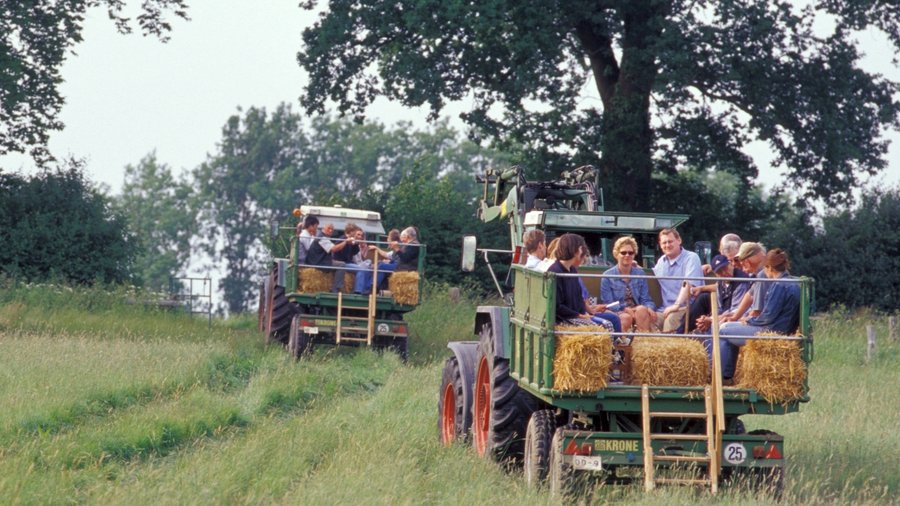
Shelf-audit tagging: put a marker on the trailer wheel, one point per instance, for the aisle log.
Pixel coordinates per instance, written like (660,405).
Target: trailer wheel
(454,420)
(283,311)
(562,476)
(538,441)
(501,410)
(299,344)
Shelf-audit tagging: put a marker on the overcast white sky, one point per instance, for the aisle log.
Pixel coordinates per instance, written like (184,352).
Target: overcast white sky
(129,95)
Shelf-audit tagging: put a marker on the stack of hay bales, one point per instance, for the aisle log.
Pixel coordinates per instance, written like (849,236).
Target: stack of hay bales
(582,361)
(404,287)
(669,361)
(774,368)
(314,280)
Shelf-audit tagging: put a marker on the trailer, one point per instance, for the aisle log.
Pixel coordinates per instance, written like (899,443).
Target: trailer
(498,391)
(300,320)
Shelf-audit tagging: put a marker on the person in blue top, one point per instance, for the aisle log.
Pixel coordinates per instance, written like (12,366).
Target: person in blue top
(780,315)
(635,306)
(675,262)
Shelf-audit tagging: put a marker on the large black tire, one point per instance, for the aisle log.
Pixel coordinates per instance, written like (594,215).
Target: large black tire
(538,445)
(299,344)
(500,410)
(562,476)
(283,311)
(454,421)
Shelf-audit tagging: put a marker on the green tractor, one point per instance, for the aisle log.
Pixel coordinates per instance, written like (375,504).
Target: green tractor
(301,319)
(498,394)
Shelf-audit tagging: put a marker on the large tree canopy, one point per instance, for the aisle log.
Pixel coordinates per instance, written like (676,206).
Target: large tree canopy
(681,83)
(35,38)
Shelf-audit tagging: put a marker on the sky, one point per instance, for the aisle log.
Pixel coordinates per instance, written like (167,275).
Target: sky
(129,95)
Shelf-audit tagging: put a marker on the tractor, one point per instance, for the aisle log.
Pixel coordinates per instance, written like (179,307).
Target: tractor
(498,389)
(300,318)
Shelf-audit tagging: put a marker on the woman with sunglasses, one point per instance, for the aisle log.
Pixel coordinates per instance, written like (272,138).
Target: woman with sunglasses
(635,308)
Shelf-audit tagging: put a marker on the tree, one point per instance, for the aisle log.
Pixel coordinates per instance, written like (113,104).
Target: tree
(161,217)
(243,190)
(854,254)
(681,84)
(56,226)
(35,38)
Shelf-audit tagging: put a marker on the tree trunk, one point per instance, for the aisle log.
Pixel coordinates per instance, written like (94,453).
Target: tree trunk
(627,139)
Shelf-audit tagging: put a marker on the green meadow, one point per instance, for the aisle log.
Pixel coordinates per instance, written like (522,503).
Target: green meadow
(105,402)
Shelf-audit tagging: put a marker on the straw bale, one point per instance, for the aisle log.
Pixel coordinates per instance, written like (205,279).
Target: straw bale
(669,361)
(582,361)
(774,368)
(404,287)
(349,279)
(314,280)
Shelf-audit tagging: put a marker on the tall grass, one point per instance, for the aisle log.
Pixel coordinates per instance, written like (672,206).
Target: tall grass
(121,403)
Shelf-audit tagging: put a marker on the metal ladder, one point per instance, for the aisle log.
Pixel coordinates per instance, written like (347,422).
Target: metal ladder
(714,414)
(369,319)
(712,458)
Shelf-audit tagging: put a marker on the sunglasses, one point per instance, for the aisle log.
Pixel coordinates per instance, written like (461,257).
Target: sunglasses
(626,253)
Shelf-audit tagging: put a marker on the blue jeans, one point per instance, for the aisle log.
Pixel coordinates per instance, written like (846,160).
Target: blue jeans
(363,283)
(611,318)
(730,346)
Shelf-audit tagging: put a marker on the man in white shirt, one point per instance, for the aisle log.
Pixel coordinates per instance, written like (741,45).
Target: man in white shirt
(535,247)
(307,233)
(680,263)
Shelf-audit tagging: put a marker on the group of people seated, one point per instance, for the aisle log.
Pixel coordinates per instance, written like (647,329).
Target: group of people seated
(350,252)
(745,307)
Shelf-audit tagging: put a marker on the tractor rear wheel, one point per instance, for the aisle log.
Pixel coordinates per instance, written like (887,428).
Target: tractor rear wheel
(538,445)
(299,344)
(454,420)
(501,409)
(283,311)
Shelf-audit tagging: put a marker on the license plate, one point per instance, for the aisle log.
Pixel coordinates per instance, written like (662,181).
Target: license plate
(310,330)
(586,463)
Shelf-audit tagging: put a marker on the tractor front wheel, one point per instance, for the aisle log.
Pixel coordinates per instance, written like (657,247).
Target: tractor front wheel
(454,421)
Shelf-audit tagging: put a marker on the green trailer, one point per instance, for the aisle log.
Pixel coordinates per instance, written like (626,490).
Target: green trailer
(301,320)
(497,391)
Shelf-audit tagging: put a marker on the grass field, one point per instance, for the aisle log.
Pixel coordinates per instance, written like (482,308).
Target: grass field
(107,403)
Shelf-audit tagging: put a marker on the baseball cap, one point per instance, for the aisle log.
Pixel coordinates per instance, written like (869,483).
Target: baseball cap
(748,249)
(718,262)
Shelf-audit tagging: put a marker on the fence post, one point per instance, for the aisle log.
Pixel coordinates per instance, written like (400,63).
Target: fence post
(892,328)
(870,342)
(454,294)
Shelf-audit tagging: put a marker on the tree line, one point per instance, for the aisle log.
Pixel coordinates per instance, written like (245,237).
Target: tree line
(57,225)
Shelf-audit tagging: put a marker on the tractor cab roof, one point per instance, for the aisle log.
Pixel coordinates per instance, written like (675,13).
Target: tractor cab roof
(368,221)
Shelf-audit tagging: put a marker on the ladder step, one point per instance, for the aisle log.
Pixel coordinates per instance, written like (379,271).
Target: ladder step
(679,437)
(680,458)
(675,414)
(355,318)
(355,339)
(682,481)
(354,329)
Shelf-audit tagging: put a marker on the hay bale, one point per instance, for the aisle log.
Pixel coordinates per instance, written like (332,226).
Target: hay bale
(314,280)
(774,368)
(669,361)
(349,279)
(582,361)
(404,287)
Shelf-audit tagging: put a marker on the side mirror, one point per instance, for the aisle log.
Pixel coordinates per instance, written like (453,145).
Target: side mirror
(469,246)
(704,250)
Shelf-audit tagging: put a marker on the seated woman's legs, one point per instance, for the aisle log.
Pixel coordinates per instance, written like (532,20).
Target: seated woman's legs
(644,318)
(627,318)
